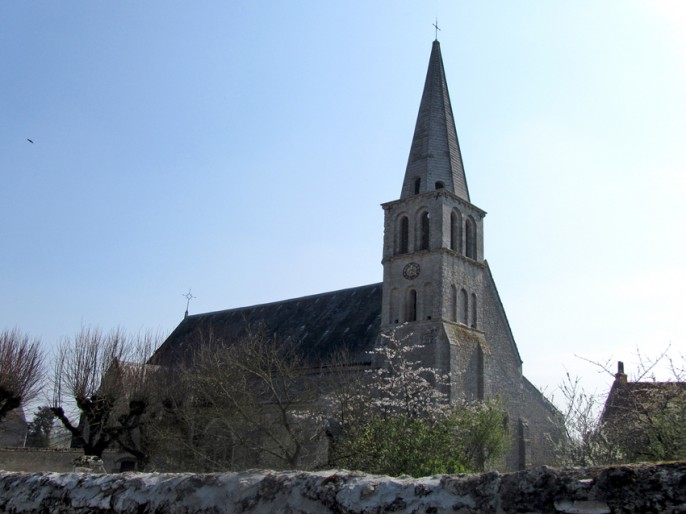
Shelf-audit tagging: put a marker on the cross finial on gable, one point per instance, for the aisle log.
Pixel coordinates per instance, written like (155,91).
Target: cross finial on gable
(189,297)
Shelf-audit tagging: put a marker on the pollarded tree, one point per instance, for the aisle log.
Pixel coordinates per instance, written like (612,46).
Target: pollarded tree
(107,379)
(21,369)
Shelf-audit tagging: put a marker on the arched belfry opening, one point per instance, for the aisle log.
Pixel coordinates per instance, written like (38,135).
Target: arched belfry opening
(470,238)
(424,231)
(455,230)
(403,235)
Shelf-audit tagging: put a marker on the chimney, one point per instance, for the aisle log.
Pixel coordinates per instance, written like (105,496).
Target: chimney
(620,376)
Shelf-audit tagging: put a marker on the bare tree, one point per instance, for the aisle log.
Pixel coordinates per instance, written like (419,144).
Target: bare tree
(584,443)
(244,403)
(256,401)
(105,376)
(21,369)
(641,419)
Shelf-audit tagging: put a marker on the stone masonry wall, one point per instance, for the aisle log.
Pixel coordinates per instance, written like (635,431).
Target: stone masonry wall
(639,488)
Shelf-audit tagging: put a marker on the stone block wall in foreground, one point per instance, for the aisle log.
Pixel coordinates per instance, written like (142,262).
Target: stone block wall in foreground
(638,488)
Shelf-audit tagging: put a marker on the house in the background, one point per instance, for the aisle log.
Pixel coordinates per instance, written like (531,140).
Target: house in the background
(645,421)
(13,429)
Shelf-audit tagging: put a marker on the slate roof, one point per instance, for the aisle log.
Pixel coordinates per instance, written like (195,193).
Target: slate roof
(435,152)
(319,325)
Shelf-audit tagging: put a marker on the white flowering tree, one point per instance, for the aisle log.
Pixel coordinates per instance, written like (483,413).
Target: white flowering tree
(400,420)
(256,402)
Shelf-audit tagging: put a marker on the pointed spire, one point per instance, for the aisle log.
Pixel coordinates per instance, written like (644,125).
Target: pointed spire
(435,157)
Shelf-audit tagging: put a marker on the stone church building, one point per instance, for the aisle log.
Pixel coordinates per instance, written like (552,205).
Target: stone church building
(437,290)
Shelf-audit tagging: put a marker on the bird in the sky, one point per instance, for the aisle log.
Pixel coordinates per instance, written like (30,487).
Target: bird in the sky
(29,140)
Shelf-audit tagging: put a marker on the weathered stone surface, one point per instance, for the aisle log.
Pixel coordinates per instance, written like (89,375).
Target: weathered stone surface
(639,488)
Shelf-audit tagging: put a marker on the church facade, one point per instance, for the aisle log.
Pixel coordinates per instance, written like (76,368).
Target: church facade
(437,291)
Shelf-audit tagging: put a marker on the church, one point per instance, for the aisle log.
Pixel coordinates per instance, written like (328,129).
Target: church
(437,291)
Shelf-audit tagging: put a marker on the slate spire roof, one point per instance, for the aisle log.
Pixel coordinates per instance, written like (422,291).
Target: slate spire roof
(435,152)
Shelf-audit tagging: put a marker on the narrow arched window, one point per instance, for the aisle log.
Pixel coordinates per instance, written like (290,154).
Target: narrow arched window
(412,305)
(453,304)
(428,302)
(470,238)
(403,235)
(472,311)
(439,185)
(417,185)
(455,231)
(424,229)
(393,314)
(464,307)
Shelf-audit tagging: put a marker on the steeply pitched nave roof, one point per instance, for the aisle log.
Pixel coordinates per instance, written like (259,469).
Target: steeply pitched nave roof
(319,325)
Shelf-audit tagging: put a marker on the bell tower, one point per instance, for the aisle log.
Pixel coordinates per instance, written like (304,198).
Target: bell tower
(433,257)
(433,235)
(439,294)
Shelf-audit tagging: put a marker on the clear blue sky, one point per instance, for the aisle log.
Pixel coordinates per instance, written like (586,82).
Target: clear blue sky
(242,149)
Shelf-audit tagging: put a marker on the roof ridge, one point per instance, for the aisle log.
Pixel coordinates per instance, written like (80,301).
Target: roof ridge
(296,299)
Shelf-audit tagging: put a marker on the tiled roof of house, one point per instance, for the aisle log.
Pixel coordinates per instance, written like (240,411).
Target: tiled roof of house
(629,399)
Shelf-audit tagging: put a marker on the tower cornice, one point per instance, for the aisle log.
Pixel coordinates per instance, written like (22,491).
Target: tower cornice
(409,257)
(434,195)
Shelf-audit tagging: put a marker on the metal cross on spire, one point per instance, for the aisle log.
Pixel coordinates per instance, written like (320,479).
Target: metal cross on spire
(188,297)
(435,25)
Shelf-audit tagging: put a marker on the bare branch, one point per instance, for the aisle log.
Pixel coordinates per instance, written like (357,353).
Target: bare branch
(107,377)
(603,367)
(21,369)
(646,365)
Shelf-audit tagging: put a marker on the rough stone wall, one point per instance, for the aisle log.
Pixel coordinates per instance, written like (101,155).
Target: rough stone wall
(483,361)
(629,489)
(504,378)
(545,424)
(503,368)
(436,268)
